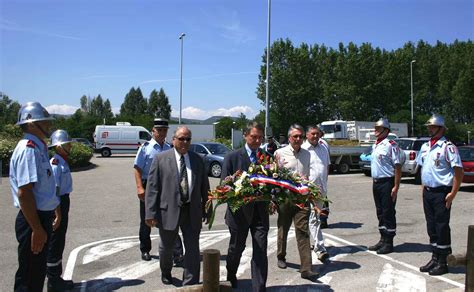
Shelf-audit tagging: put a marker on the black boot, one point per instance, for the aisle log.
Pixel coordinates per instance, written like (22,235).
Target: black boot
(59,284)
(441,266)
(387,246)
(426,268)
(377,245)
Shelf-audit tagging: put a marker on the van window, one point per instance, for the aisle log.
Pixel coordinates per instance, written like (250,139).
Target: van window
(129,135)
(144,136)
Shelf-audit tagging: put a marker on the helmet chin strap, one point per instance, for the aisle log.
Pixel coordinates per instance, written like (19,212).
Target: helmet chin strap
(436,133)
(64,149)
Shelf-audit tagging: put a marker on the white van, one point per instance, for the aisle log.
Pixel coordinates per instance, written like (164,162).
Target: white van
(121,138)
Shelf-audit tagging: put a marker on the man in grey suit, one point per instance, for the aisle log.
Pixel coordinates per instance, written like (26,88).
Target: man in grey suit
(253,216)
(175,197)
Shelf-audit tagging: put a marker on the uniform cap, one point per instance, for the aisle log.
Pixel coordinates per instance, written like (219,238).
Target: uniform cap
(59,137)
(436,120)
(160,123)
(32,112)
(383,122)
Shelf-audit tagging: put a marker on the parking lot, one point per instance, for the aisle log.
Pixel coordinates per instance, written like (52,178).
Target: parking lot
(102,246)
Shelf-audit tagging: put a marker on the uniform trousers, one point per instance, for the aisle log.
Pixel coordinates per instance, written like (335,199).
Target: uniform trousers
(259,264)
(287,213)
(385,206)
(32,268)
(437,219)
(58,241)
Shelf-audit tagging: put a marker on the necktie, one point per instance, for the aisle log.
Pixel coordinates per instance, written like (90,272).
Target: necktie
(183,180)
(253,157)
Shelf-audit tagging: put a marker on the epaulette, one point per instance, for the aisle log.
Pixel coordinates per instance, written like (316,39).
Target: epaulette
(146,143)
(30,144)
(55,161)
(392,142)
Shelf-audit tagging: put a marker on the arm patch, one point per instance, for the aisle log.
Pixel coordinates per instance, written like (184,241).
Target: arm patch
(30,144)
(55,161)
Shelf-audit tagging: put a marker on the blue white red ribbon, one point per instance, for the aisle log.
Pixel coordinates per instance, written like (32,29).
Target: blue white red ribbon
(296,188)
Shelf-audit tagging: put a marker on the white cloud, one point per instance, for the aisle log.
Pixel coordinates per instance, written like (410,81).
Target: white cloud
(200,114)
(62,109)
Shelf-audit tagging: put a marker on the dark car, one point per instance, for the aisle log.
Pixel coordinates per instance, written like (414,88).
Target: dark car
(365,161)
(83,141)
(467,158)
(213,155)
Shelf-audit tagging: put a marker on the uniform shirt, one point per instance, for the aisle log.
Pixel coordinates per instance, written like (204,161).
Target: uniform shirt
(325,144)
(438,162)
(385,155)
(188,168)
(296,161)
(319,166)
(30,164)
(145,155)
(62,174)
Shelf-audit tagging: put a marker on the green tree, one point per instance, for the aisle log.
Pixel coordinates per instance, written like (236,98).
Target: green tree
(158,104)
(134,103)
(224,128)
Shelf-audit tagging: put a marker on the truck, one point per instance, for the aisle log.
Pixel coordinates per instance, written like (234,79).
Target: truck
(120,138)
(343,158)
(357,130)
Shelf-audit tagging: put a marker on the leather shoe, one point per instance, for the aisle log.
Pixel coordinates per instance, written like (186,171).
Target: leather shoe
(324,224)
(439,269)
(323,256)
(426,268)
(282,264)
(166,279)
(233,280)
(309,275)
(146,256)
(59,284)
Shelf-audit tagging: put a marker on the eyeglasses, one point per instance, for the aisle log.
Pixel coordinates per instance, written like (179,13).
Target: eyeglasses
(182,139)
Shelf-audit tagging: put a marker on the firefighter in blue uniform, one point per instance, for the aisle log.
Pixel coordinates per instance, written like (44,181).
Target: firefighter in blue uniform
(441,176)
(141,166)
(386,173)
(34,192)
(61,142)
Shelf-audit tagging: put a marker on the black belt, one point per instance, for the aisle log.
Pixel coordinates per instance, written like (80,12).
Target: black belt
(383,179)
(441,189)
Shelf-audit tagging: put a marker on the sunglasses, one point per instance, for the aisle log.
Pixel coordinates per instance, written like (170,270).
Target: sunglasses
(182,139)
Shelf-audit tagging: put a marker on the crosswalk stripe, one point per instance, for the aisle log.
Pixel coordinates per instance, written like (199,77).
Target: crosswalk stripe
(392,279)
(107,249)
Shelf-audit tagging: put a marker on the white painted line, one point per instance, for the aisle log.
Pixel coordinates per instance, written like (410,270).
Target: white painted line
(392,279)
(107,249)
(449,281)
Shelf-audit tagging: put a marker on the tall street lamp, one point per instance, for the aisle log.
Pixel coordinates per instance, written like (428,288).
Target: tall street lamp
(181,37)
(267,80)
(411,78)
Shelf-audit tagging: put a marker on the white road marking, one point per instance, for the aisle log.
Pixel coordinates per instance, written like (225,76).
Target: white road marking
(107,249)
(449,281)
(393,280)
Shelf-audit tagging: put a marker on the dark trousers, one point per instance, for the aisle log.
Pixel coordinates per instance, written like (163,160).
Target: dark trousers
(259,263)
(300,217)
(385,206)
(58,241)
(437,219)
(145,240)
(32,268)
(168,239)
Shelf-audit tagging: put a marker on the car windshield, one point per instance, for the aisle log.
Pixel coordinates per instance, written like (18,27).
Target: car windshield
(405,144)
(466,153)
(217,149)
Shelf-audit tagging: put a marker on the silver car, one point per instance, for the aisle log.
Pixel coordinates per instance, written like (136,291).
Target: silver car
(213,155)
(411,146)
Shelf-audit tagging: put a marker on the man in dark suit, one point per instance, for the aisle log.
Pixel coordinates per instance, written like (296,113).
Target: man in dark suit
(175,197)
(253,216)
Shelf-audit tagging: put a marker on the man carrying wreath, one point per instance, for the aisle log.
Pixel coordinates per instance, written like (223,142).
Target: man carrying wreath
(252,216)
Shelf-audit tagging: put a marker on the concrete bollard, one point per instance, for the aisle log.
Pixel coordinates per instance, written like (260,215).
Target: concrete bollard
(211,270)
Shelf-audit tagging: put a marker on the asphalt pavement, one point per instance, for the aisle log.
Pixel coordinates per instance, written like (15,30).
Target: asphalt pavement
(102,252)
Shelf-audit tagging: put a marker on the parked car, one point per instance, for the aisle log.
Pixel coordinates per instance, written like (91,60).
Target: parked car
(83,141)
(411,146)
(213,155)
(365,160)
(467,158)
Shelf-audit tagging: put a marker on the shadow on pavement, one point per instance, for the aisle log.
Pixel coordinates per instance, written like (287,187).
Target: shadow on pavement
(345,225)
(84,168)
(467,188)
(412,247)
(107,284)
(246,285)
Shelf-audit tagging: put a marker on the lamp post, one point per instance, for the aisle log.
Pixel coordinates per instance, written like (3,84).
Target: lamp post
(411,79)
(468,137)
(181,37)
(267,80)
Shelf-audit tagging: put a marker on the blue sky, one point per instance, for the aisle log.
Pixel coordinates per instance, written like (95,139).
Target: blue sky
(55,51)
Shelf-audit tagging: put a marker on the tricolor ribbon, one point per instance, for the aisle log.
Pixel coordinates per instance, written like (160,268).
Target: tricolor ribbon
(300,189)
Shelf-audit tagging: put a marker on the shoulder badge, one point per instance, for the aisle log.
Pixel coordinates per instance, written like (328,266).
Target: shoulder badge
(146,143)
(30,144)
(55,161)
(392,142)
